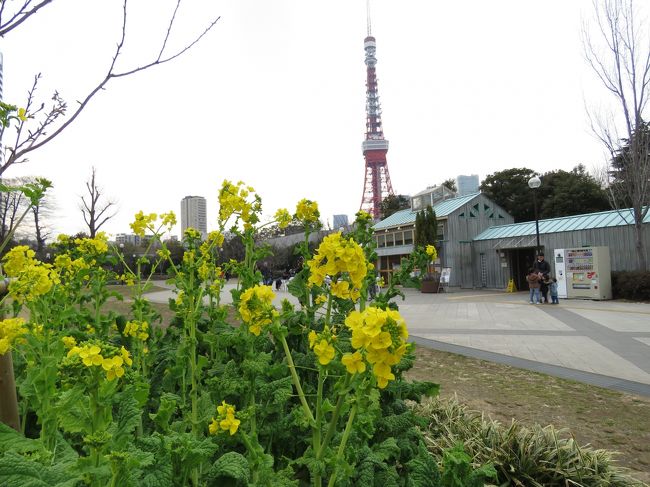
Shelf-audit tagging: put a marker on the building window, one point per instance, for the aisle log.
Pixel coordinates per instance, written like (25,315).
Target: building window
(389,240)
(381,241)
(408,237)
(399,238)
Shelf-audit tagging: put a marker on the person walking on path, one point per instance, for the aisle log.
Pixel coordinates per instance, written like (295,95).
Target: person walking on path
(553,288)
(533,285)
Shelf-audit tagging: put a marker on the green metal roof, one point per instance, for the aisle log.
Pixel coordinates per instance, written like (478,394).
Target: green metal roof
(442,209)
(588,221)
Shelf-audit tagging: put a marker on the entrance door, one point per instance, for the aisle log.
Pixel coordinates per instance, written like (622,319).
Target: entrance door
(520,261)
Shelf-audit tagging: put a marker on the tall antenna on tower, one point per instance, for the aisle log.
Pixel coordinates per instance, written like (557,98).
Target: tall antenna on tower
(368,17)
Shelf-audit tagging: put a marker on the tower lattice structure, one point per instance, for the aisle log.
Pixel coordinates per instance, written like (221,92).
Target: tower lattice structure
(377,185)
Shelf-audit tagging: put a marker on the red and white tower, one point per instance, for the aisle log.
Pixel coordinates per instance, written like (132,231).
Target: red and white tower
(377,183)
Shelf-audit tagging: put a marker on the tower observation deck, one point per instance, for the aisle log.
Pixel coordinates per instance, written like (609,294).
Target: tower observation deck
(377,185)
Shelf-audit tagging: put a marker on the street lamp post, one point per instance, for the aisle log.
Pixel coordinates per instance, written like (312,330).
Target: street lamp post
(534,183)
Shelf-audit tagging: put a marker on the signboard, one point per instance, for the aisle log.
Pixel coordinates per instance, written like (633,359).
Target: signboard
(445,275)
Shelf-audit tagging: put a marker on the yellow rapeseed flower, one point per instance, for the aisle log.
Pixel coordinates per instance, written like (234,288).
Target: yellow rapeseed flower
(283,217)
(344,261)
(142,223)
(11,329)
(113,367)
(379,336)
(69,342)
(354,362)
(91,355)
(225,420)
(324,351)
(431,252)
(307,211)
(256,308)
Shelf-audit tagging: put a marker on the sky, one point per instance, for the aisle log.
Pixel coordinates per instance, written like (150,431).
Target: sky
(274,95)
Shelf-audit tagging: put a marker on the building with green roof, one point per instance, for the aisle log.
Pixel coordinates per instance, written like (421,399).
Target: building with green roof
(460,219)
(505,252)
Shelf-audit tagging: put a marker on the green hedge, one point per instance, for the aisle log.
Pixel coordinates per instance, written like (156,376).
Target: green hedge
(634,285)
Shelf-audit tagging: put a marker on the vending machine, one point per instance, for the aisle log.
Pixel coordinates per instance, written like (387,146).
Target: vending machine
(560,272)
(587,273)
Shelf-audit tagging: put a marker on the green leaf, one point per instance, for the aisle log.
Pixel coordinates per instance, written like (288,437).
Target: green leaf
(126,419)
(18,471)
(230,469)
(12,440)
(166,409)
(74,411)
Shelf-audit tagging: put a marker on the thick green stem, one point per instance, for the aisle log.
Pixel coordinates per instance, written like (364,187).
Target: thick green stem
(296,381)
(341,450)
(335,419)
(319,420)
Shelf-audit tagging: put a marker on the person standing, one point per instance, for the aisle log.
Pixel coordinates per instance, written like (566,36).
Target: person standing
(544,283)
(553,288)
(533,285)
(542,266)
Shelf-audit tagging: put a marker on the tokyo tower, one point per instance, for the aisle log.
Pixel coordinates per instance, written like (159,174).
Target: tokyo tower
(377,185)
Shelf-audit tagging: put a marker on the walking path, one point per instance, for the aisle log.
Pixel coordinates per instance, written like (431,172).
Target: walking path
(605,343)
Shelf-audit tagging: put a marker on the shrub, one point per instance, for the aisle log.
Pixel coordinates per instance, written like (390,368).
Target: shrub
(633,285)
(536,456)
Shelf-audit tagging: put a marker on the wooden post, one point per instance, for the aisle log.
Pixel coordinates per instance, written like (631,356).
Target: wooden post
(8,397)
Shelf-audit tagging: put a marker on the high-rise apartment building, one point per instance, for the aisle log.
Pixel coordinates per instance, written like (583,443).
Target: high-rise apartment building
(467,184)
(194,215)
(340,221)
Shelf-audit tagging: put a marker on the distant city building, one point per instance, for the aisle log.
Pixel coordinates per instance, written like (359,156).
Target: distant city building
(194,215)
(340,221)
(467,184)
(128,238)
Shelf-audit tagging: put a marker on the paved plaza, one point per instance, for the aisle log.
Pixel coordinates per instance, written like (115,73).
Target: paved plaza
(605,343)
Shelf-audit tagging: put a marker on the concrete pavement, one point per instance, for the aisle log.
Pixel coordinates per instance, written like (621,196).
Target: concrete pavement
(605,343)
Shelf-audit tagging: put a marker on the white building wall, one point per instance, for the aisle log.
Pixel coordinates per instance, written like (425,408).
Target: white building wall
(194,215)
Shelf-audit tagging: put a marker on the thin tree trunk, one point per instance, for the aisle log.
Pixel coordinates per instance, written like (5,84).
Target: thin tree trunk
(639,246)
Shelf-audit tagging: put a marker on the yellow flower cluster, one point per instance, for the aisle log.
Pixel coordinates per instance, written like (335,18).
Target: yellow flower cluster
(93,246)
(283,217)
(379,337)
(307,211)
(32,277)
(143,223)
(341,259)
(256,308)
(67,267)
(431,252)
(136,329)
(69,342)
(321,344)
(234,200)
(91,356)
(11,330)
(225,420)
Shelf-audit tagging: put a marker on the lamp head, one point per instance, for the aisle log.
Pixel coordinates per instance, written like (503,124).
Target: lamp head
(534,182)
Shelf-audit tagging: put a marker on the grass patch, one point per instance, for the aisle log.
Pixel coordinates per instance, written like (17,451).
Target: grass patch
(604,418)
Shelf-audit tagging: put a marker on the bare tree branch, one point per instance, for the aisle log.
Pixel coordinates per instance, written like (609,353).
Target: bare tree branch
(94,209)
(623,68)
(20,16)
(36,138)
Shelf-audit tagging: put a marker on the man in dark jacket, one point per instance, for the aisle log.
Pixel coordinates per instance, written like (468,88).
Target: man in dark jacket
(541,266)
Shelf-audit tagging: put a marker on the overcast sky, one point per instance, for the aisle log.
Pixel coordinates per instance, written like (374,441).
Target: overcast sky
(275,96)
